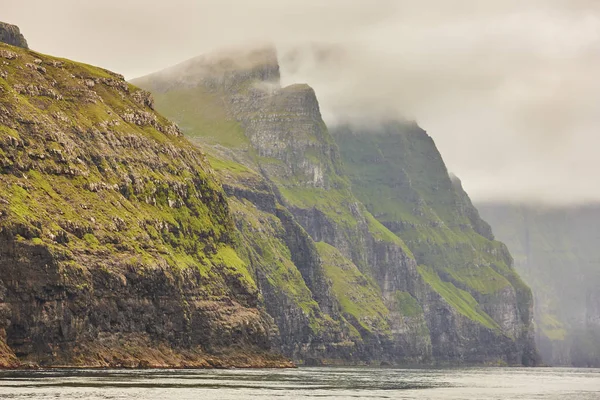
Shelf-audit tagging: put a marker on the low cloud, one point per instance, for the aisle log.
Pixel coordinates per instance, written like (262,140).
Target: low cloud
(508,89)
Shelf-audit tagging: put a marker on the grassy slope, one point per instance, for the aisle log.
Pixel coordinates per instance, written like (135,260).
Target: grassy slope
(63,184)
(203,117)
(440,236)
(359,297)
(261,237)
(399,175)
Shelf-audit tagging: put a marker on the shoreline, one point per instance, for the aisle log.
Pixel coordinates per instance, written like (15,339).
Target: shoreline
(157,358)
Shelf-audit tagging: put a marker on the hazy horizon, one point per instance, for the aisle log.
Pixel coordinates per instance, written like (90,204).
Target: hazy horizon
(506,89)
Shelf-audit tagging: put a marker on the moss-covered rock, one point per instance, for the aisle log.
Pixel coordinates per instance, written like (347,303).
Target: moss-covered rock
(397,172)
(116,240)
(470,306)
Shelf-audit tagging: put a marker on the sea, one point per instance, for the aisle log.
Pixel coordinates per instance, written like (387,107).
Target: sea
(333,383)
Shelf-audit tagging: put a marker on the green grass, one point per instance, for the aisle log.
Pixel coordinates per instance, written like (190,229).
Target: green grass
(333,203)
(201,115)
(222,164)
(358,296)
(408,305)
(262,244)
(552,328)
(460,300)
(228,258)
(380,232)
(91,240)
(90,69)
(155,206)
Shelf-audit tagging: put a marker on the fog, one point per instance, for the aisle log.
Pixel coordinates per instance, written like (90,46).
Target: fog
(510,90)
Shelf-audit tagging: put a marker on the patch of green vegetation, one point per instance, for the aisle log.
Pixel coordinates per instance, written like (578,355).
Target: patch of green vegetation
(90,186)
(382,233)
(262,245)
(333,203)
(201,115)
(552,328)
(234,173)
(91,240)
(460,300)
(8,131)
(220,164)
(482,279)
(360,299)
(92,70)
(21,203)
(408,305)
(227,257)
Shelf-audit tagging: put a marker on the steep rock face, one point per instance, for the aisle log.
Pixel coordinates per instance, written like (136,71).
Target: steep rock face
(288,270)
(279,133)
(10,34)
(116,241)
(397,172)
(556,251)
(363,278)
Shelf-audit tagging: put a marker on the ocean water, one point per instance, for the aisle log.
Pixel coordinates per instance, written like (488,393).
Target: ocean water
(304,383)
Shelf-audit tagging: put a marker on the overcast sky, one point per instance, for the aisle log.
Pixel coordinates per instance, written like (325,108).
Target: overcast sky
(510,90)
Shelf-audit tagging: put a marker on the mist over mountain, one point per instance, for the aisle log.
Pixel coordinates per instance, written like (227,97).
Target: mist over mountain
(556,251)
(368,224)
(506,88)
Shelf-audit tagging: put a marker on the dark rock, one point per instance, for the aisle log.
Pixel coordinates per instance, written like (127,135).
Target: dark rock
(340,286)
(116,240)
(10,34)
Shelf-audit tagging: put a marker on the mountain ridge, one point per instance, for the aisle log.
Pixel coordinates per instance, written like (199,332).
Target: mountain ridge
(124,245)
(279,133)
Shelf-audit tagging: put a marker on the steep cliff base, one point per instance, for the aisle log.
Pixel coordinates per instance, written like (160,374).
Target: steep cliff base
(139,351)
(7,356)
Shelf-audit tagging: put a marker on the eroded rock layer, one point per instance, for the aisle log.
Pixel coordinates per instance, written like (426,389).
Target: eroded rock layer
(344,282)
(116,240)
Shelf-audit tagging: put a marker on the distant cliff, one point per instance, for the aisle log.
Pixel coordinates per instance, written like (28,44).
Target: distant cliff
(556,250)
(344,280)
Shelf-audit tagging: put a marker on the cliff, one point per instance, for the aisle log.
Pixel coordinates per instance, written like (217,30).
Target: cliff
(556,251)
(116,239)
(275,155)
(398,173)
(11,34)
(344,282)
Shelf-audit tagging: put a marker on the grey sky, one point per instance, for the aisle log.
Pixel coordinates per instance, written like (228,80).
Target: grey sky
(510,90)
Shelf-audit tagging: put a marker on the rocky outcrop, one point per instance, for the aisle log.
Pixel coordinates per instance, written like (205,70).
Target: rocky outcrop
(368,294)
(10,34)
(116,240)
